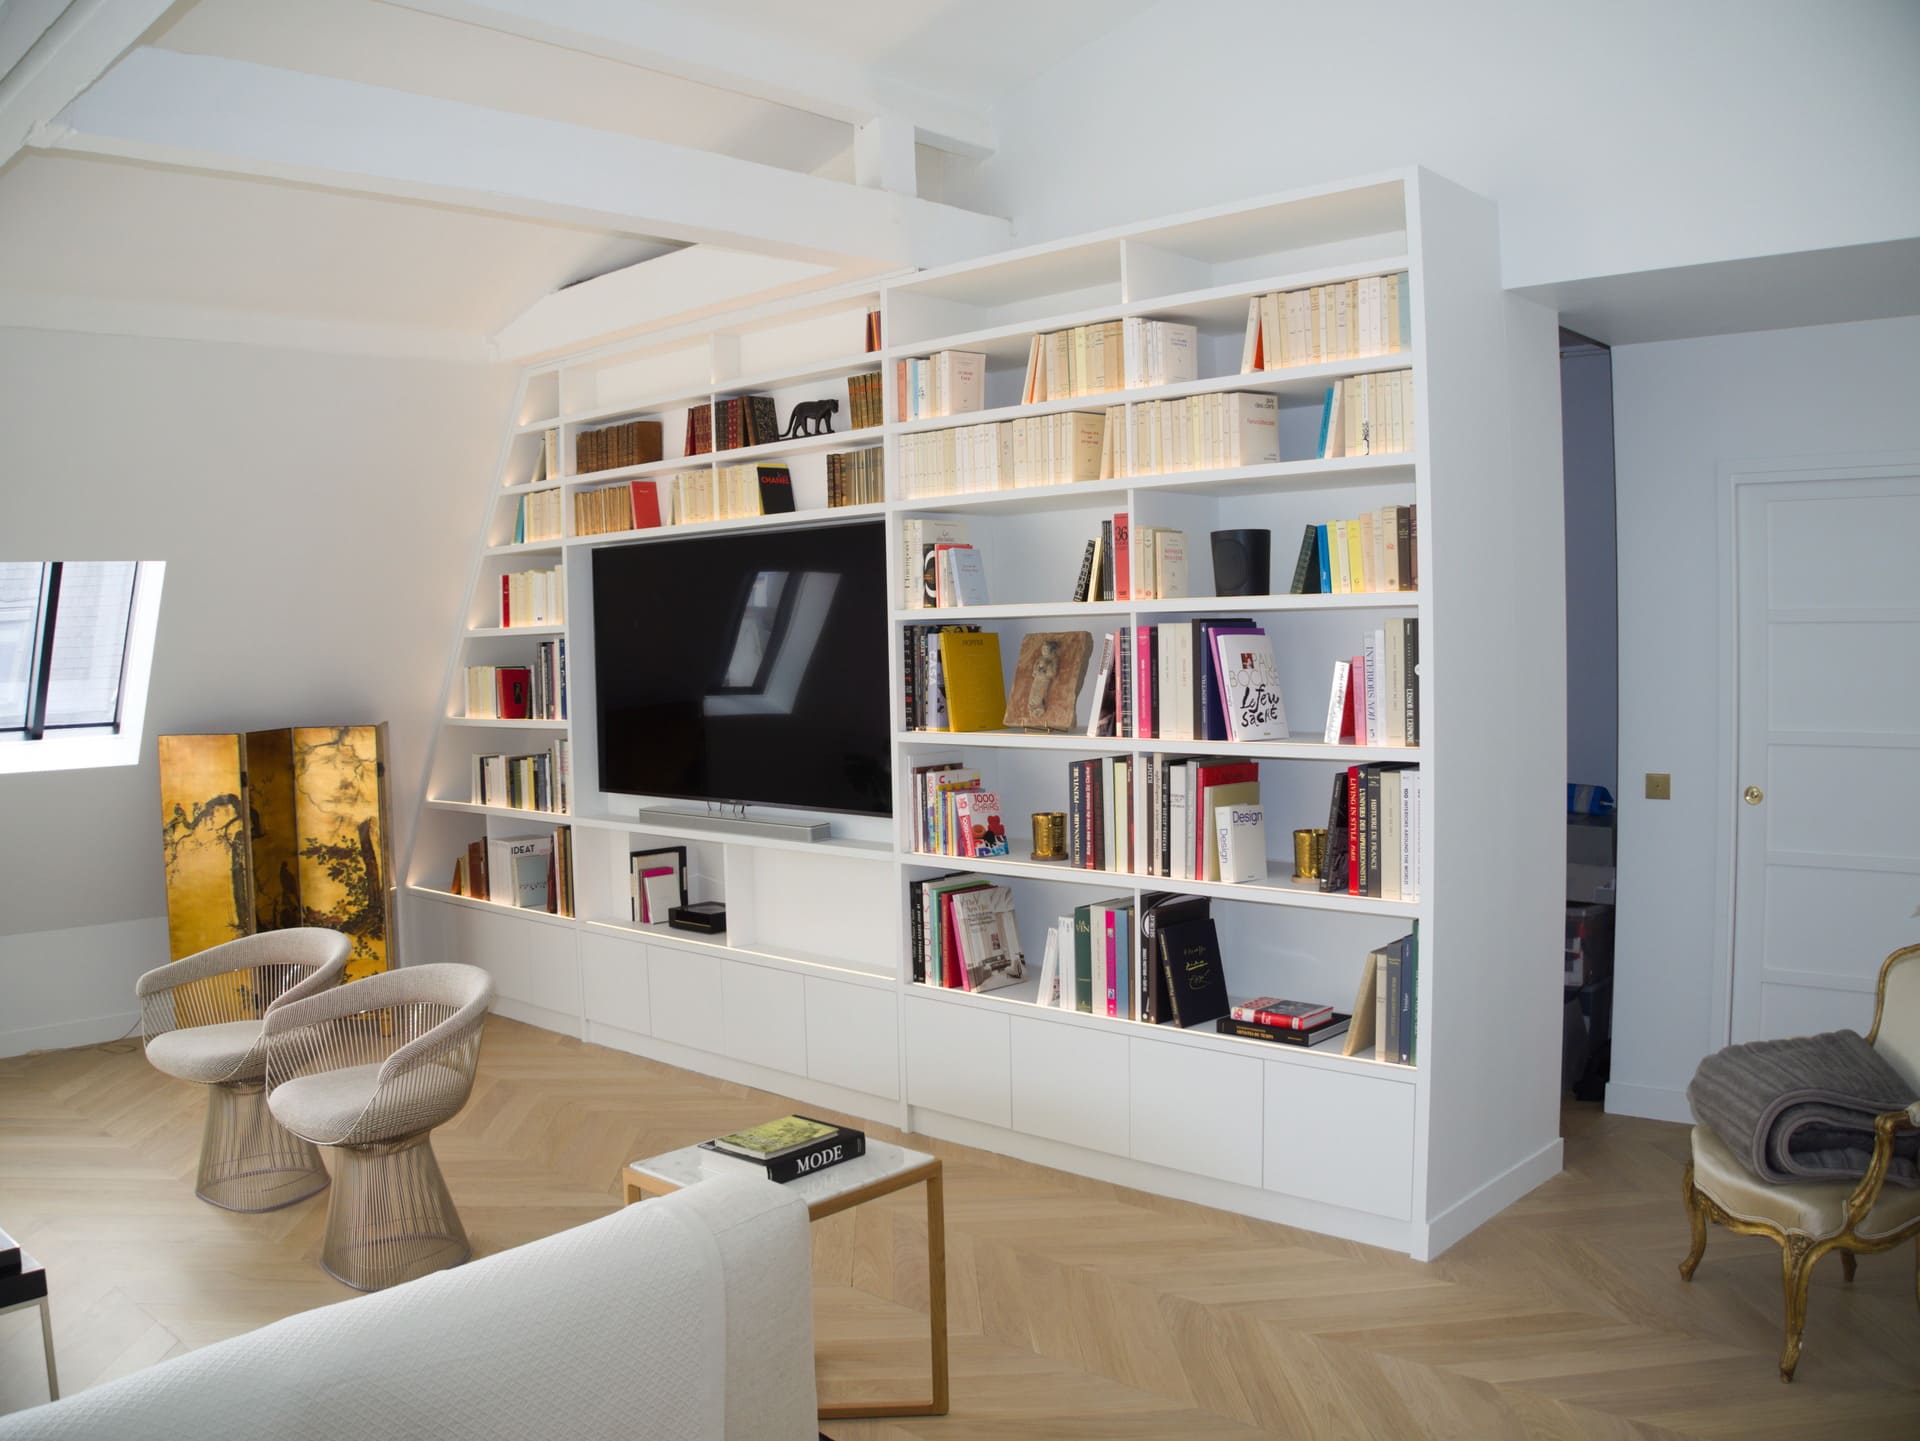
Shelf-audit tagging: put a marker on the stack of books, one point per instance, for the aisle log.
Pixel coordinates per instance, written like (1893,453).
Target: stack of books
(1343,321)
(791,1147)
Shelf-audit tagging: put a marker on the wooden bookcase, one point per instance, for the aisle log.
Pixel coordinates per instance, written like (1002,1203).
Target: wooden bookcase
(809,993)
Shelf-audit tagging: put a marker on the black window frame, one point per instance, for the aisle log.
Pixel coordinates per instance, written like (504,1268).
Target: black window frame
(34,725)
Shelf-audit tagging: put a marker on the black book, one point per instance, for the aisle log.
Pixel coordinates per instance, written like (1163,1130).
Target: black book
(1106,560)
(776,489)
(1403,541)
(763,422)
(1370,837)
(845,1144)
(1410,687)
(1333,869)
(1306,570)
(1159,910)
(1083,587)
(1196,982)
(1334,1026)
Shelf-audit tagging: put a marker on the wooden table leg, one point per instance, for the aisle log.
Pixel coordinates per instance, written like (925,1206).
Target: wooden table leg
(936,1325)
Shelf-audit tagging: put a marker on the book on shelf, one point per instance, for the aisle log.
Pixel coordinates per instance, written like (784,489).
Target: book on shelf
(960,576)
(1195,432)
(546,458)
(976,823)
(1368,414)
(1378,832)
(538,517)
(1344,320)
(1004,455)
(1374,698)
(1099,959)
(986,935)
(864,402)
(656,883)
(1192,971)
(789,1148)
(873,332)
(1250,700)
(1240,839)
(934,949)
(920,536)
(533,597)
(923,676)
(855,477)
(731,492)
(1368,554)
(1049,990)
(1047,676)
(1394,971)
(1157,564)
(1157,909)
(470,872)
(610,509)
(532,873)
(1335,1026)
(950,382)
(610,447)
(539,781)
(1278,1011)
(499,692)
(699,439)
(972,684)
(1107,356)
(739,421)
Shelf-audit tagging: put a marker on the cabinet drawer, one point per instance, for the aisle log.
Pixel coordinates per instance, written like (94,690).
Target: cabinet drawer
(958,1061)
(501,945)
(1343,1139)
(764,1016)
(1196,1111)
(613,983)
(1070,1084)
(853,1037)
(684,989)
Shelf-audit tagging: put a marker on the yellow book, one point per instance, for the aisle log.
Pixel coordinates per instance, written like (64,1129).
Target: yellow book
(1361,563)
(1338,553)
(976,685)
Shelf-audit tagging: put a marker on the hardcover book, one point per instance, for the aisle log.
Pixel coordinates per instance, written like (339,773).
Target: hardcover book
(791,1147)
(1047,678)
(1332,1027)
(1276,1011)
(1250,697)
(982,832)
(1195,981)
(990,954)
(972,680)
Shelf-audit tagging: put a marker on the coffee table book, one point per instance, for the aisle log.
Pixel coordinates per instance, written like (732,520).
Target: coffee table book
(813,1147)
(1330,1029)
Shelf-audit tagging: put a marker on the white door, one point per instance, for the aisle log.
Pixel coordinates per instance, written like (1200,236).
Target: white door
(1827,805)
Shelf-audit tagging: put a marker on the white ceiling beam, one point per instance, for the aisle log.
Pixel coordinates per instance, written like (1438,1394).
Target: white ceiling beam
(208,113)
(681,41)
(883,155)
(65,50)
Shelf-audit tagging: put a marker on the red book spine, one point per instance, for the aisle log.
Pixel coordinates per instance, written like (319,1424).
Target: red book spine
(1143,682)
(1354,838)
(646,505)
(1112,965)
(1122,553)
(506,607)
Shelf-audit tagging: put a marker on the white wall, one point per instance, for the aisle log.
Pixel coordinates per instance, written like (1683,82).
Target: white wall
(317,514)
(1680,409)
(1615,138)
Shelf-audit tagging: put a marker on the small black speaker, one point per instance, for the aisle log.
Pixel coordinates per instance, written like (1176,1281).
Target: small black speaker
(1242,562)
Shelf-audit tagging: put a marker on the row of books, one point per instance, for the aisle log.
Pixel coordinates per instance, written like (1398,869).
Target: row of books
(1374,552)
(952,382)
(1107,356)
(533,873)
(959,575)
(953,814)
(963,933)
(1373,833)
(521,692)
(732,423)
(609,447)
(546,459)
(1394,971)
(865,408)
(534,597)
(539,516)
(656,883)
(1375,696)
(538,781)
(855,477)
(1004,455)
(1210,679)
(1196,818)
(731,492)
(1368,415)
(1194,432)
(952,678)
(611,509)
(1125,562)
(1346,320)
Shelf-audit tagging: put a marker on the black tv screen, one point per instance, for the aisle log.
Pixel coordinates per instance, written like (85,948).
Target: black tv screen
(748,668)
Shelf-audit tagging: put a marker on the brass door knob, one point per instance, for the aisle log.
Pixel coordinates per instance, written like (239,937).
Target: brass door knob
(1754,795)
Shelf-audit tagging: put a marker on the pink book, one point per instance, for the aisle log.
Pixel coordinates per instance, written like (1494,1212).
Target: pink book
(1112,964)
(1357,698)
(1143,681)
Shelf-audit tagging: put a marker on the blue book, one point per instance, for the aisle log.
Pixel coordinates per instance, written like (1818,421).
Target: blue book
(1326,563)
(1326,406)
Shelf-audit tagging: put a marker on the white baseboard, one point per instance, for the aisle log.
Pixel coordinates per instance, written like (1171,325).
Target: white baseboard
(1485,1202)
(1656,1103)
(60,1036)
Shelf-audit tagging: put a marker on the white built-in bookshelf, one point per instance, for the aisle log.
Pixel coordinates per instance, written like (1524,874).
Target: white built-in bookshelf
(809,992)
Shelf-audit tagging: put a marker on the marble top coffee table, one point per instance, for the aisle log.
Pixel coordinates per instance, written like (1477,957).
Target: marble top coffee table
(884,1169)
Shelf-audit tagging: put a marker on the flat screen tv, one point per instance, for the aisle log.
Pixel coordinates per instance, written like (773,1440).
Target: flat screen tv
(748,668)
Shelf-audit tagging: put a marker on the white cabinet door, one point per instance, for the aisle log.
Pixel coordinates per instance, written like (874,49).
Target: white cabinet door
(958,1061)
(853,1037)
(613,983)
(1070,1084)
(1197,1111)
(553,972)
(502,945)
(1314,1117)
(684,989)
(764,1012)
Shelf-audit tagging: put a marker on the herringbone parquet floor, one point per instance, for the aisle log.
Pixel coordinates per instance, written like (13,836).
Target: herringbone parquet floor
(1078,1309)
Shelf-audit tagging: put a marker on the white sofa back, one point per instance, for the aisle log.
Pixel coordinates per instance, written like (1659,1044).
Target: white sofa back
(688,1318)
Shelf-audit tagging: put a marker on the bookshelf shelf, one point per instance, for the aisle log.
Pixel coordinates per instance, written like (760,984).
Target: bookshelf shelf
(810,990)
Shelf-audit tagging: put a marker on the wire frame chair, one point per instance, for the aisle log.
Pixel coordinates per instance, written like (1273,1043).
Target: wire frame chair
(202,1019)
(370,1070)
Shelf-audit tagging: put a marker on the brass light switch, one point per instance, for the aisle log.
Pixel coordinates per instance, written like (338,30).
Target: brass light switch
(1659,786)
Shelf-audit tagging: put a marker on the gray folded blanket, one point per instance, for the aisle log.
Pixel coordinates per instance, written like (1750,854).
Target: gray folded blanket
(1803,1107)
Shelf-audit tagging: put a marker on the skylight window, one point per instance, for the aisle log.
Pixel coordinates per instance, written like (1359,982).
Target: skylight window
(76,647)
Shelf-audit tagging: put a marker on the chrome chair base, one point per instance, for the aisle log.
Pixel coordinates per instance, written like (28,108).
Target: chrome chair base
(391,1218)
(250,1162)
